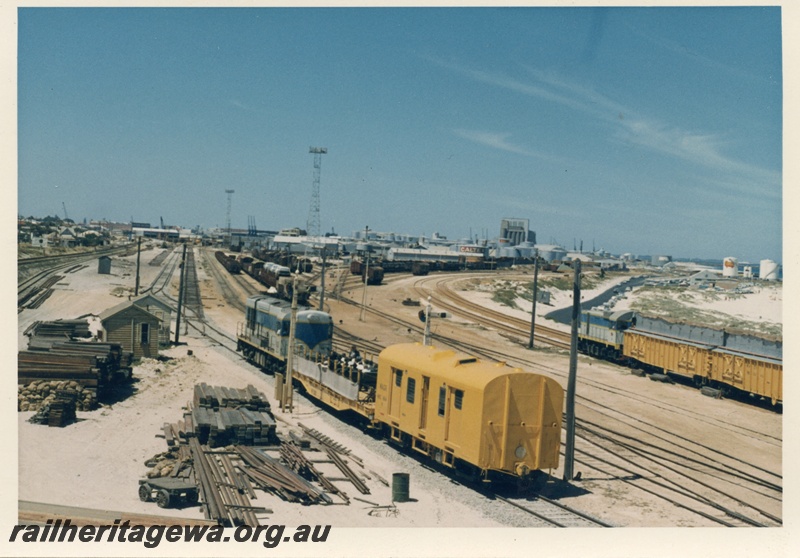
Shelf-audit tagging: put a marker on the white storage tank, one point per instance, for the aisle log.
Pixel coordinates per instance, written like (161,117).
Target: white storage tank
(730,267)
(769,270)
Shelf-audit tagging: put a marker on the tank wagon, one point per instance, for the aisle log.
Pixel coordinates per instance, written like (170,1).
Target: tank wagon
(705,356)
(483,420)
(281,257)
(278,279)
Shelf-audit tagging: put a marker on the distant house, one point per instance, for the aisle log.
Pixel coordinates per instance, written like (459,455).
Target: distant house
(104,265)
(159,309)
(67,237)
(136,329)
(44,240)
(704,276)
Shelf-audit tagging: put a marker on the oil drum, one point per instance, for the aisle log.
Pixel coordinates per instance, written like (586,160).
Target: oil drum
(400,484)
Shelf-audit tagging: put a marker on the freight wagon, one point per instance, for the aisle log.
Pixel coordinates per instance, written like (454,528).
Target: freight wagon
(705,356)
(374,273)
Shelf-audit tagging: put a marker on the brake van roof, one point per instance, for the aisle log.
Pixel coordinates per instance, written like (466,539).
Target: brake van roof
(451,366)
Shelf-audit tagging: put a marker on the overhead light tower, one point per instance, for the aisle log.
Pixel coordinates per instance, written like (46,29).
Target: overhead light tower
(312,225)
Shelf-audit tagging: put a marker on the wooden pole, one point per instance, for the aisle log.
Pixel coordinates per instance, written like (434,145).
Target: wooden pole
(569,451)
(535,294)
(180,297)
(287,386)
(138,257)
(366,277)
(322,281)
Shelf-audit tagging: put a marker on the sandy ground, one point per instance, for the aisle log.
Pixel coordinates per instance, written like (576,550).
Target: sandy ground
(96,462)
(764,304)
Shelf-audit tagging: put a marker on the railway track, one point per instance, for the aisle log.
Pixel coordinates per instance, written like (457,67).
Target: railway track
(553,514)
(36,276)
(698,479)
(671,482)
(445,297)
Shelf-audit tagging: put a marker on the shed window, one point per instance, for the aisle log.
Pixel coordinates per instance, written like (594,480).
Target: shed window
(145,337)
(398,377)
(459,398)
(442,398)
(410,389)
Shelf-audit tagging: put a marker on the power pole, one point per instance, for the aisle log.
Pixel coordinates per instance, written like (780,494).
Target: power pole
(312,225)
(569,451)
(287,386)
(180,297)
(322,279)
(228,216)
(535,294)
(366,275)
(138,256)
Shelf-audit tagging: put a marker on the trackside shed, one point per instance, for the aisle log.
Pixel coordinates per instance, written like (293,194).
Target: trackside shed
(136,329)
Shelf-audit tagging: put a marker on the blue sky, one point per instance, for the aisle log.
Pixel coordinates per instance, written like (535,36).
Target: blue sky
(643,130)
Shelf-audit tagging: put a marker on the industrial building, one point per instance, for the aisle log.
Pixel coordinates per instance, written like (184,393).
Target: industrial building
(516,231)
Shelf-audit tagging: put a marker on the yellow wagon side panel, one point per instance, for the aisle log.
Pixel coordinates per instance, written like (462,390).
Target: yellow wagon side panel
(752,375)
(670,355)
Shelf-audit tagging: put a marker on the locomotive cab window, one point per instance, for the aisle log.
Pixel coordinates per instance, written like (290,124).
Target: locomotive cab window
(398,377)
(410,388)
(442,399)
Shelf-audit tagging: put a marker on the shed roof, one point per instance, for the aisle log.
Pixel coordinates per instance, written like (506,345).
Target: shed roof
(151,300)
(127,306)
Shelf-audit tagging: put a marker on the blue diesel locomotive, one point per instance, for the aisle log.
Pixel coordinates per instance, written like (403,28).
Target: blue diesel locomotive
(264,336)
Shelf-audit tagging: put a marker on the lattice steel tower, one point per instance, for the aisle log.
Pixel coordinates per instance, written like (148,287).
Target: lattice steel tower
(313,226)
(228,214)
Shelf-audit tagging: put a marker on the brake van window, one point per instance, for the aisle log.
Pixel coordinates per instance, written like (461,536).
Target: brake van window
(412,384)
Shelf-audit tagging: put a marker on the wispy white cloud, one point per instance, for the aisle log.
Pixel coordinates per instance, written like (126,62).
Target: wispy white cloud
(699,148)
(500,141)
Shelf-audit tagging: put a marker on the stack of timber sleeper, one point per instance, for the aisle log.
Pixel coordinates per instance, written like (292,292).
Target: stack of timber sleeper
(59,412)
(222,416)
(69,329)
(94,363)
